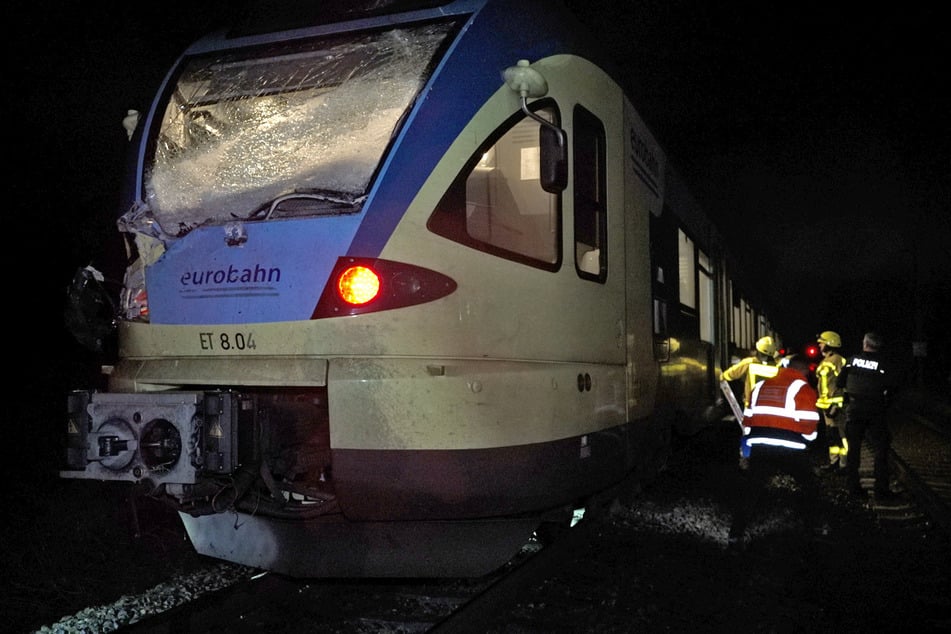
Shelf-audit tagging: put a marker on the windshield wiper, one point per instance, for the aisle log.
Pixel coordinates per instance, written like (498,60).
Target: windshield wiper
(310,203)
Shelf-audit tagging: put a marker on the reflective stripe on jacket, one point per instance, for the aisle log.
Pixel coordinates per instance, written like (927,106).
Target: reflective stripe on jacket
(782,412)
(830,393)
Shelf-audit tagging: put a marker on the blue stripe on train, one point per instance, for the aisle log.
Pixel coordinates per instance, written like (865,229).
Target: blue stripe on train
(469,75)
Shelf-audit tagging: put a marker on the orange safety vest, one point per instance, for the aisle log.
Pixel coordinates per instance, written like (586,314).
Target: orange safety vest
(782,412)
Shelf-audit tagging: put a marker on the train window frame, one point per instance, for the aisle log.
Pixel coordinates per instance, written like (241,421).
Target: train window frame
(741,336)
(451,216)
(687,270)
(707,296)
(746,322)
(661,290)
(590,193)
(246,98)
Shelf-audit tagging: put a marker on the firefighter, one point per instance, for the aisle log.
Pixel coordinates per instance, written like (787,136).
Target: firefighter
(830,401)
(753,369)
(761,365)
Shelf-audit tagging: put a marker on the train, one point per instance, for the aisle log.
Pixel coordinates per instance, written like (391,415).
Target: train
(406,283)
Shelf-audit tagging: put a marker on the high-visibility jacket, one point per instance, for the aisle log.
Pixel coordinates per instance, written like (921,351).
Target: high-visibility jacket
(830,393)
(753,369)
(782,412)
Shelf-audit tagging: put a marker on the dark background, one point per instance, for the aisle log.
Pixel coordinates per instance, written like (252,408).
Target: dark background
(816,136)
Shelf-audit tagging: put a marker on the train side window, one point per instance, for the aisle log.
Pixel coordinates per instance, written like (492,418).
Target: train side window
(743,315)
(707,300)
(737,318)
(589,201)
(749,323)
(497,204)
(686,254)
(660,289)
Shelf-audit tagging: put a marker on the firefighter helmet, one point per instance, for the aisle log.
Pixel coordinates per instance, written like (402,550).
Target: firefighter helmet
(830,338)
(766,345)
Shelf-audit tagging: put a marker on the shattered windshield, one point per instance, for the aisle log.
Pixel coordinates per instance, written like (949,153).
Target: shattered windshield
(242,130)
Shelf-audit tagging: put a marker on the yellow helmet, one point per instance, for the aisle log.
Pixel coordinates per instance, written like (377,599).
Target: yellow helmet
(830,339)
(766,345)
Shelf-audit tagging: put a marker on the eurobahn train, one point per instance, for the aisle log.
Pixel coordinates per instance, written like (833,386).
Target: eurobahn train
(404,286)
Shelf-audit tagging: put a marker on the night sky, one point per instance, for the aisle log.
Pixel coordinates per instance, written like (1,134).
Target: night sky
(817,138)
(817,135)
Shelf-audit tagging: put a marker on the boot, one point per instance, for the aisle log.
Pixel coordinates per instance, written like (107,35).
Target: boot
(832,465)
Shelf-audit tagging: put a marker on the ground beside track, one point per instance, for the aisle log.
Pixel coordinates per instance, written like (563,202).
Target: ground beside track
(660,564)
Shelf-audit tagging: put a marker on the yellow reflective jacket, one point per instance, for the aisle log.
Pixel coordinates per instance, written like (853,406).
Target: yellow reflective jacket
(826,374)
(754,370)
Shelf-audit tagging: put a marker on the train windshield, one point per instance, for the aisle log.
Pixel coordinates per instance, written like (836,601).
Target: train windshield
(243,129)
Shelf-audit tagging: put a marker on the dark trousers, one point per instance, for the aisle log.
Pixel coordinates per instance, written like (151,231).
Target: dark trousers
(764,463)
(857,427)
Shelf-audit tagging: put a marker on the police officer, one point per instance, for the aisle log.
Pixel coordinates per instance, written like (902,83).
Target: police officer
(830,399)
(869,382)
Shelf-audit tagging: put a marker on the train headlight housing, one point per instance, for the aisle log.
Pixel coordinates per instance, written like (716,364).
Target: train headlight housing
(135,304)
(367,285)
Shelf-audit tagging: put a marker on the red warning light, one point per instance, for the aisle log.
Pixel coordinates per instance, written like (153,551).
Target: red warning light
(358,285)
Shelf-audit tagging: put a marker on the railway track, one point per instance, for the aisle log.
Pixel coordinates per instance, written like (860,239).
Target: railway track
(273,603)
(920,459)
(921,454)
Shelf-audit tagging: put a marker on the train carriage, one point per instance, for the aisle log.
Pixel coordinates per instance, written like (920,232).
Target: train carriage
(405,283)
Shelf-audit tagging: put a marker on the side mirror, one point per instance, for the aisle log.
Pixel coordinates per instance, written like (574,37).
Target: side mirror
(554,158)
(553,141)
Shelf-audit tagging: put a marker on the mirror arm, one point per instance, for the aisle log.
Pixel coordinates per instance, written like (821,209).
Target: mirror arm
(528,82)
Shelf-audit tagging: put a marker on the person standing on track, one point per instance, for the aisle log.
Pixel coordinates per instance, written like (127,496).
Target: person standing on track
(869,382)
(752,370)
(779,424)
(830,400)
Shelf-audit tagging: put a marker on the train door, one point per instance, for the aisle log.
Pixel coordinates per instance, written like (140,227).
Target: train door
(644,181)
(590,195)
